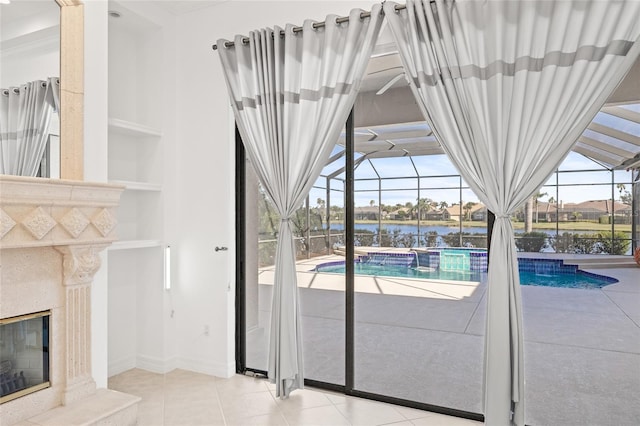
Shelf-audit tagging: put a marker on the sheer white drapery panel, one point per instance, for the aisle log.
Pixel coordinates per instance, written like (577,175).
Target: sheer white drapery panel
(507,88)
(25,116)
(291,96)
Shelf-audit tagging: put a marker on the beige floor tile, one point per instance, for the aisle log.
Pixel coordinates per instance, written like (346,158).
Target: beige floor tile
(183,398)
(435,419)
(150,414)
(318,416)
(301,399)
(335,398)
(238,384)
(271,419)
(192,416)
(237,406)
(412,413)
(363,413)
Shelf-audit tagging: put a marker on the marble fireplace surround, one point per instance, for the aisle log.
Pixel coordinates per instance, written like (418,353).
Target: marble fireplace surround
(51,236)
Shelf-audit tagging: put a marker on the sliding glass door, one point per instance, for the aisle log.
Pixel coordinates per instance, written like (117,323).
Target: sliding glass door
(375,322)
(319,231)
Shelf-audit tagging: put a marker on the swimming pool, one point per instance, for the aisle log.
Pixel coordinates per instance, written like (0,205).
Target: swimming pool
(535,272)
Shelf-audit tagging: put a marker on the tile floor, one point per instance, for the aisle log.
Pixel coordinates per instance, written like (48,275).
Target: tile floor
(186,398)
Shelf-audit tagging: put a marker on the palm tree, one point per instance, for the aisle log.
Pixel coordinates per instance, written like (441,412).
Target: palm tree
(625,196)
(410,209)
(537,198)
(425,205)
(467,208)
(551,200)
(528,211)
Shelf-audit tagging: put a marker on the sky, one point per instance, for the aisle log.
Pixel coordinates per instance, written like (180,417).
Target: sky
(592,185)
(575,184)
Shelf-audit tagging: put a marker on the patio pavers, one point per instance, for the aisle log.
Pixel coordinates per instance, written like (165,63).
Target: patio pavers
(422,340)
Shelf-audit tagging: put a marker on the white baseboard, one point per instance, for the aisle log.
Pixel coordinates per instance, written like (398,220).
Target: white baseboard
(163,366)
(121,365)
(155,364)
(207,367)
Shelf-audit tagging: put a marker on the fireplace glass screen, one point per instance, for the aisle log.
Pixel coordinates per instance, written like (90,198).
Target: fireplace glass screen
(24,355)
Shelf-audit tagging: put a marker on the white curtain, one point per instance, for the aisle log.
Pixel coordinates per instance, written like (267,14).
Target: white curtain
(291,96)
(507,88)
(25,115)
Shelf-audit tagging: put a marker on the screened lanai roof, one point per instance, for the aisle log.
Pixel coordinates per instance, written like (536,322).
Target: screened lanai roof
(612,138)
(388,122)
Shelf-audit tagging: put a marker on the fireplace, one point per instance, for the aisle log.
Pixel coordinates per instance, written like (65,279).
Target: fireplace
(51,235)
(24,355)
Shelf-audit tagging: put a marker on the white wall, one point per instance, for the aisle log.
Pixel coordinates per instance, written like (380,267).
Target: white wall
(95,169)
(30,45)
(198,187)
(205,156)
(142,90)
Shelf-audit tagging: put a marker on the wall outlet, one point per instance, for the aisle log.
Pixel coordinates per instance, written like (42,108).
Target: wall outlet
(206,330)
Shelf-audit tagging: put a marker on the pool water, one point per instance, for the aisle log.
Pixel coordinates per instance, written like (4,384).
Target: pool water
(404,272)
(579,279)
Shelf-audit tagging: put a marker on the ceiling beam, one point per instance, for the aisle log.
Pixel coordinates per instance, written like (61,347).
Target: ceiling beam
(597,156)
(622,113)
(614,133)
(606,147)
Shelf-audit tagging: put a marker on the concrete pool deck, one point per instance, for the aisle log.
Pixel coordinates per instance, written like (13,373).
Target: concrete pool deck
(423,340)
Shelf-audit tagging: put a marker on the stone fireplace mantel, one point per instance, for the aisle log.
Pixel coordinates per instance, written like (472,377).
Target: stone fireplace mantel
(51,235)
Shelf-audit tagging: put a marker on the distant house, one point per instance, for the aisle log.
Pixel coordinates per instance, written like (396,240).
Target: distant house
(455,212)
(592,210)
(366,213)
(545,212)
(436,215)
(477,213)
(400,214)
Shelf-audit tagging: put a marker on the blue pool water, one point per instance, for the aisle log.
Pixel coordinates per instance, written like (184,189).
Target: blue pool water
(536,272)
(403,272)
(580,279)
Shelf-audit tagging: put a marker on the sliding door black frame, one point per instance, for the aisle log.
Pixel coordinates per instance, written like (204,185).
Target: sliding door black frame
(349,387)
(241,229)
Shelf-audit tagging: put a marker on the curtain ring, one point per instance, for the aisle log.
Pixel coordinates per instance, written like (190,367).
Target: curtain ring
(5,92)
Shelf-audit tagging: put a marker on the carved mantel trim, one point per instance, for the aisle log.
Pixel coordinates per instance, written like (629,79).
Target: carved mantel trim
(78,220)
(37,212)
(80,263)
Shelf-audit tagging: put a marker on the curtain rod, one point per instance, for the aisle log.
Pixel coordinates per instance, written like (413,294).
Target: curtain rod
(315,25)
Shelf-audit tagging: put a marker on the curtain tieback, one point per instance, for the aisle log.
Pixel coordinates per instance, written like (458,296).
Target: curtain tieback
(503,216)
(284,220)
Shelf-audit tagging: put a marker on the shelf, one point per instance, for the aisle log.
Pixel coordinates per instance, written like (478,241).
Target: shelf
(138,186)
(132,129)
(134,244)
